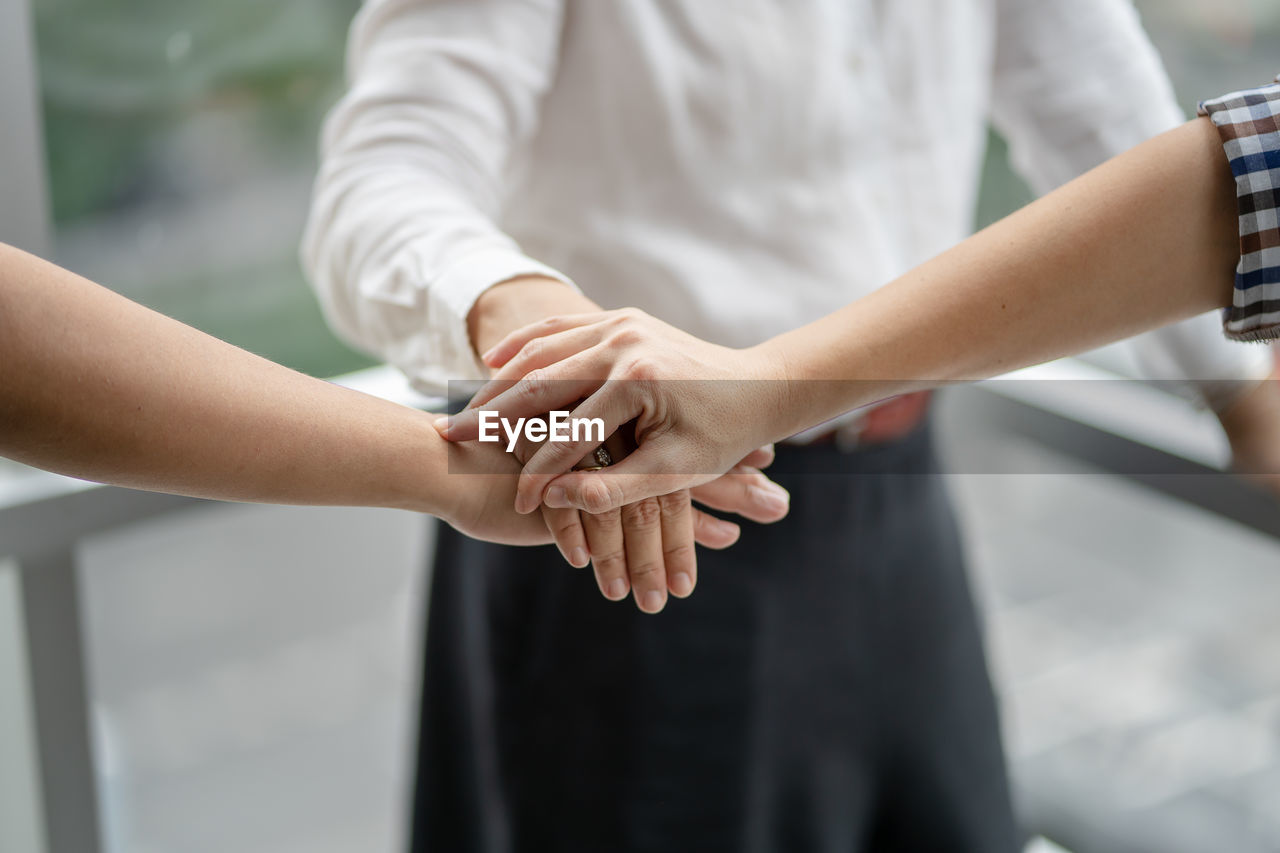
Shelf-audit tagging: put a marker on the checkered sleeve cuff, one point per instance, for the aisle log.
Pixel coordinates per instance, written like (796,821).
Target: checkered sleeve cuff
(1249,123)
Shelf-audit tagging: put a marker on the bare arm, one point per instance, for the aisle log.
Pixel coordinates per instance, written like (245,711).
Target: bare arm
(1144,240)
(96,386)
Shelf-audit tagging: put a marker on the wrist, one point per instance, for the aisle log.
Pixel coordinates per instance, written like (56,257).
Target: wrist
(517,302)
(782,402)
(417,467)
(793,396)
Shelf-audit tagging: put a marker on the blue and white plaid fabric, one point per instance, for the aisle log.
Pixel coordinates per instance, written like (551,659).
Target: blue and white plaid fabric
(1249,123)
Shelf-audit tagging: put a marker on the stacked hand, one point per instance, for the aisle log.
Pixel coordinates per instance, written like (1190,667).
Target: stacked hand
(643,548)
(645,545)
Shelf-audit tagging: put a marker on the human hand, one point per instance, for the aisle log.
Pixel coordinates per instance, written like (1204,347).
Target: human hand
(1252,425)
(649,544)
(645,547)
(482,490)
(697,407)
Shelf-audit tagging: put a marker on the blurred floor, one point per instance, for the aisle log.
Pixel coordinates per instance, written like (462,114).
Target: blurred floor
(1135,643)
(254,670)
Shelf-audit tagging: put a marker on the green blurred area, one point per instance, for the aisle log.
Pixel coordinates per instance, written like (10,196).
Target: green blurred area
(120,79)
(117,74)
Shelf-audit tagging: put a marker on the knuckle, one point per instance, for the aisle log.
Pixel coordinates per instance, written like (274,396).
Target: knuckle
(530,351)
(679,555)
(533,385)
(640,369)
(596,496)
(607,522)
(645,513)
(612,564)
(647,573)
(676,504)
(625,336)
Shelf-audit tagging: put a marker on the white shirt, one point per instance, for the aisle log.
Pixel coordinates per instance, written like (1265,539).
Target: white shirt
(734,167)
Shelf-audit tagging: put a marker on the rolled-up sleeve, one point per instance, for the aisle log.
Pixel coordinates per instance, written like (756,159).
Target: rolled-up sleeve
(401,237)
(1074,85)
(1249,124)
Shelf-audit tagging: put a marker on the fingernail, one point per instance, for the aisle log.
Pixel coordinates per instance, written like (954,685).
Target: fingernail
(579,557)
(682,584)
(441,424)
(556,498)
(652,601)
(616,590)
(488,354)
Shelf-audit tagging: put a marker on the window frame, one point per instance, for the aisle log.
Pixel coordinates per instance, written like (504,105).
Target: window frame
(25,216)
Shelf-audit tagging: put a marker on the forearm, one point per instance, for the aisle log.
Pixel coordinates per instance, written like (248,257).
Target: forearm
(1146,239)
(95,386)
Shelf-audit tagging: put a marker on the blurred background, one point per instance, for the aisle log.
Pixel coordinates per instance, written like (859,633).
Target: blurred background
(187,676)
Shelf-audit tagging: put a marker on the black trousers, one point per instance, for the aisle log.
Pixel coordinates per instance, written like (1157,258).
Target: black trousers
(824,689)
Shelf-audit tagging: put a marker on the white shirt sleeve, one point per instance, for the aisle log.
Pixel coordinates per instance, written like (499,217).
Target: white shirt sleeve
(401,238)
(1075,84)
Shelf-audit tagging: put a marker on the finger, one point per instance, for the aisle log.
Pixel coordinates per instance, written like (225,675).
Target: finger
(678,558)
(761,457)
(608,555)
(534,395)
(551,349)
(498,355)
(746,492)
(646,473)
(642,540)
(611,409)
(712,532)
(592,362)
(566,528)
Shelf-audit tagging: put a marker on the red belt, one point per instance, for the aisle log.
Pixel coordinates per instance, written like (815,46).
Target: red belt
(889,421)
